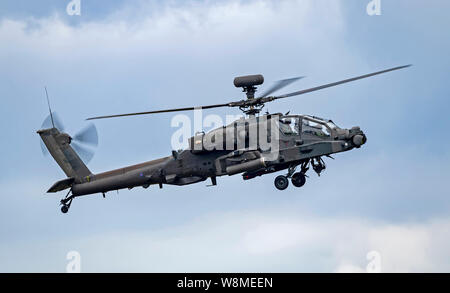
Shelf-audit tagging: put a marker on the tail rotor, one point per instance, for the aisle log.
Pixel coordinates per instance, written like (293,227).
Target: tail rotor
(85,141)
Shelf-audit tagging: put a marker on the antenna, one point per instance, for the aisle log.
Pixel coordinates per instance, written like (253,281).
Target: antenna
(49,109)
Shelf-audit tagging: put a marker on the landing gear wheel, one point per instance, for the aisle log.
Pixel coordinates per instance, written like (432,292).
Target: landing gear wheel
(298,179)
(64,209)
(281,182)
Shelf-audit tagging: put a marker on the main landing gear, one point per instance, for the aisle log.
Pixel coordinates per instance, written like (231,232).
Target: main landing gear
(298,179)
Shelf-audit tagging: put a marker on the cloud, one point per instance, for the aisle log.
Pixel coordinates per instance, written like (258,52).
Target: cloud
(188,29)
(167,26)
(404,248)
(256,241)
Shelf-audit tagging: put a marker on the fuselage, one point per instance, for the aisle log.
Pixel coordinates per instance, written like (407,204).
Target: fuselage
(251,146)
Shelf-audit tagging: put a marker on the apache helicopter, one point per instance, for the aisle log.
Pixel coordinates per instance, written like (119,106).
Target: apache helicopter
(301,140)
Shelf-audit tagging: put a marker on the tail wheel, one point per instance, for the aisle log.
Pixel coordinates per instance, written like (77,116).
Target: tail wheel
(64,209)
(281,182)
(66,202)
(298,179)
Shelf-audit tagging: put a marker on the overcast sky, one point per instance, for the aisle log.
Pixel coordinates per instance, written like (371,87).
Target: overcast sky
(390,196)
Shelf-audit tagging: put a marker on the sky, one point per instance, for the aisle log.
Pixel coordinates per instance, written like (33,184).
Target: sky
(390,196)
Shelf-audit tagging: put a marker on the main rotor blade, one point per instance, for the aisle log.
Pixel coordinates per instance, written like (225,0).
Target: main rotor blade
(258,101)
(279,85)
(161,111)
(338,83)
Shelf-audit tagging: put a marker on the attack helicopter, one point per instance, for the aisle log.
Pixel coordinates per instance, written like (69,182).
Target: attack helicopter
(289,142)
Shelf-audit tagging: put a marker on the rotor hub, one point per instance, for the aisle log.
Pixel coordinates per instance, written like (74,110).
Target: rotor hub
(248,84)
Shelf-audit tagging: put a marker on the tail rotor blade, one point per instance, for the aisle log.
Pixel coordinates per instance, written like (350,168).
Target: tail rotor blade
(44,149)
(88,135)
(48,122)
(84,153)
(58,124)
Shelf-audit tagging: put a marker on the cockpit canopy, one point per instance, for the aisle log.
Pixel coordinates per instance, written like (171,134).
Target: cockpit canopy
(290,125)
(293,125)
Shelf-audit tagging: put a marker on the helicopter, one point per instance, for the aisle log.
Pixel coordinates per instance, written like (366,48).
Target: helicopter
(253,146)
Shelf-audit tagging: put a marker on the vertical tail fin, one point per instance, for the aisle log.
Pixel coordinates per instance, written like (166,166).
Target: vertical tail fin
(58,144)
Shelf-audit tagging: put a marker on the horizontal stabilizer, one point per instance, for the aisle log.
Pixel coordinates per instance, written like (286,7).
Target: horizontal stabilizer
(62,184)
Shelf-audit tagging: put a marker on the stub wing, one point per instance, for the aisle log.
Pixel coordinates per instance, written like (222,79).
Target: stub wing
(62,184)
